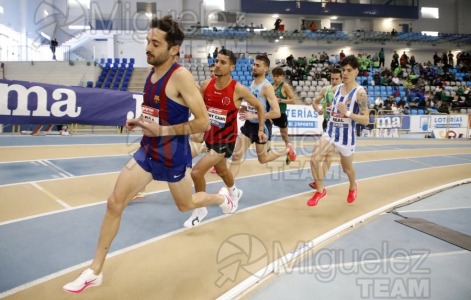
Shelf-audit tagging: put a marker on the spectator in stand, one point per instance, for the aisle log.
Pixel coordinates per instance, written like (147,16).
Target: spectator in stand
(378,107)
(395,81)
(381,57)
(303,25)
(444,59)
(386,72)
(394,64)
(379,101)
(436,59)
(398,71)
(404,60)
(313,59)
(412,61)
(394,109)
(215,53)
(393,32)
(377,78)
(375,61)
(408,86)
(329,68)
(458,58)
(290,60)
(450,59)
(395,57)
(385,80)
(366,62)
(313,26)
(400,108)
(277,24)
(421,82)
(341,55)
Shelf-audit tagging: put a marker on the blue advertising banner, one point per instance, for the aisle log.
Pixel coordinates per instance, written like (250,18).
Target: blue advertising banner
(23,102)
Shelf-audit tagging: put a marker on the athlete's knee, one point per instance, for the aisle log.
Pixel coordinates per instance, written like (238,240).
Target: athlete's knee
(263,159)
(347,169)
(186,205)
(115,206)
(183,207)
(196,173)
(236,156)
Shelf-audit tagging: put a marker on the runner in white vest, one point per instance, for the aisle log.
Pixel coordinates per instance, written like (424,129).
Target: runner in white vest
(350,105)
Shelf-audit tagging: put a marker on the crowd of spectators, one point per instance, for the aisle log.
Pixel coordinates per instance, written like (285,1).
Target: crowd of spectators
(440,86)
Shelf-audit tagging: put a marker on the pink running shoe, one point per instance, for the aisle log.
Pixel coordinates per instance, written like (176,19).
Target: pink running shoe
(316,197)
(313,185)
(352,194)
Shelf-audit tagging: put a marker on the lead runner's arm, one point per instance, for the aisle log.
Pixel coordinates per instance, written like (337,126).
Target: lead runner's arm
(192,98)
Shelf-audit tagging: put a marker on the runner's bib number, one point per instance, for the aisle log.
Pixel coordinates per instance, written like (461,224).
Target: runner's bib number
(339,120)
(150,113)
(217,116)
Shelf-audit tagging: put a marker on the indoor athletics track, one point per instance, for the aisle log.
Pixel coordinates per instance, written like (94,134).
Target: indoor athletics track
(53,192)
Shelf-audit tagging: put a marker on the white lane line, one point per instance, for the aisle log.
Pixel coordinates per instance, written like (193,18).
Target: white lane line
(63,172)
(42,162)
(49,194)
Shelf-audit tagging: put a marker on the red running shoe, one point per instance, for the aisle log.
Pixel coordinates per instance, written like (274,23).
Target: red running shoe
(316,197)
(313,185)
(352,194)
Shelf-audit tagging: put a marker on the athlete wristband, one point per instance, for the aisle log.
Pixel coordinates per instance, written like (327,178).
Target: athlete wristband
(261,130)
(348,114)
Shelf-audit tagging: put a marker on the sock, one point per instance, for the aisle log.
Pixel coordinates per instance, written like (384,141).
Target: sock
(200,210)
(233,192)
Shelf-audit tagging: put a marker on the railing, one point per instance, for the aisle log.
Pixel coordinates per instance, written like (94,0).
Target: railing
(30,53)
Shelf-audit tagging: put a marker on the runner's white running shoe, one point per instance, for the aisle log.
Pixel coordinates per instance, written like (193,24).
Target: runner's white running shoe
(86,279)
(196,217)
(228,206)
(239,195)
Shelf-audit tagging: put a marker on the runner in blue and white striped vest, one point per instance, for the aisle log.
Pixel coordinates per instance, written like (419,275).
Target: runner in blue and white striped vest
(350,106)
(340,128)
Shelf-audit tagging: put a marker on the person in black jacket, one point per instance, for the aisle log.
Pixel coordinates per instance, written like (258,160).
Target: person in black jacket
(54,44)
